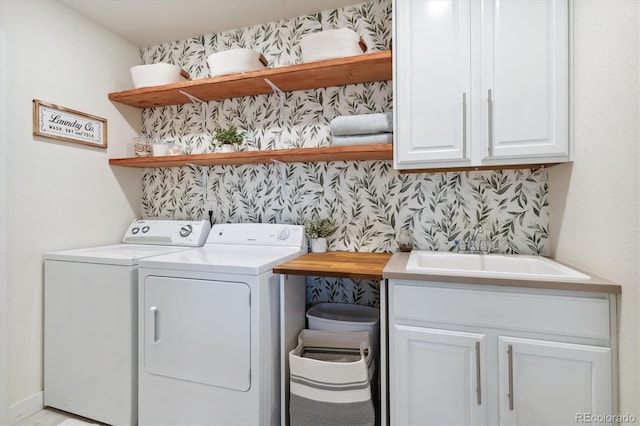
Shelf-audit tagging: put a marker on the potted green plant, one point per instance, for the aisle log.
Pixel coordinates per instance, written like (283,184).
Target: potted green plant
(317,231)
(229,138)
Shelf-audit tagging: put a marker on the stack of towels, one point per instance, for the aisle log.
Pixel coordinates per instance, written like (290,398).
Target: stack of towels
(362,129)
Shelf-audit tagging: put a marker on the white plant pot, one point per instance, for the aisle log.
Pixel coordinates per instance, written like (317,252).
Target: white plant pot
(318,245)
(227,147)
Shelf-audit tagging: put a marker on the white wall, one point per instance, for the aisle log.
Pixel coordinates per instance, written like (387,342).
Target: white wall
(4,306)
(59,194)
(595,215)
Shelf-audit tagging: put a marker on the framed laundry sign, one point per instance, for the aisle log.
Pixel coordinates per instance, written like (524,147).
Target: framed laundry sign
(65,124)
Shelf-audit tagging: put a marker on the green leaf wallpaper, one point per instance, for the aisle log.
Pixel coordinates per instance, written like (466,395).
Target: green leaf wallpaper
(368,200)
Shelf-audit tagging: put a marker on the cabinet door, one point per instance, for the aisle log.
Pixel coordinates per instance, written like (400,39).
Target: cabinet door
(551,383)
(437,377)
(525,91)
(432,82)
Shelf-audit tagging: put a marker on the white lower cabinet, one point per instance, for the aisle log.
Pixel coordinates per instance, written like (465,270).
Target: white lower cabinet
(550,383)
(474,355)
(438,376)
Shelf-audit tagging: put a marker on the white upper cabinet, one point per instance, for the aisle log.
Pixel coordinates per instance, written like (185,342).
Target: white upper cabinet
(525,62)
(480,83)
(432,81)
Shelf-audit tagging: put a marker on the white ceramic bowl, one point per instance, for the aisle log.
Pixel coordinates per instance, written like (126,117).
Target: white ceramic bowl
(155,75)
(234,61)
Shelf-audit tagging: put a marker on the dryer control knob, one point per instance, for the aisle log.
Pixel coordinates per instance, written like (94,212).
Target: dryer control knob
(283,234)
(186,230)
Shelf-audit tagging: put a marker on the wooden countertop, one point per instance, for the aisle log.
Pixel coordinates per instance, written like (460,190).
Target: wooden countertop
(341,264)
(396,268)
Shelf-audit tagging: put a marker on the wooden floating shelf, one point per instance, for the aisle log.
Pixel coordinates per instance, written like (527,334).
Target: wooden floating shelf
(293,155)
(333,72)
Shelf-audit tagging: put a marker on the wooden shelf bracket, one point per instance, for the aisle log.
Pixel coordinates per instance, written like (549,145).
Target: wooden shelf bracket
(204,184)
(282,96)
(282,169)
(202,106)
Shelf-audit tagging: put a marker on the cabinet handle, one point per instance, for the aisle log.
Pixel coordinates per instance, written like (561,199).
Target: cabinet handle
(464,125)
(154,318)
(510,354)
(490,122)
(478,377)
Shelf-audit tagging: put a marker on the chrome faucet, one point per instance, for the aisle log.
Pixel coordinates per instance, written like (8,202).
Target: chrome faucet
(472,245)
(474,235)
(459,246)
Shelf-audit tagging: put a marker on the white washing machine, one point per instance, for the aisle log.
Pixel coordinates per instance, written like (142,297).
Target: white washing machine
(91,320)
(209,328)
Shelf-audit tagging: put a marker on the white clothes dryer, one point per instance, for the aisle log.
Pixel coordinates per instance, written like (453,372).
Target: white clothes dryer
(209,328)
(91,319)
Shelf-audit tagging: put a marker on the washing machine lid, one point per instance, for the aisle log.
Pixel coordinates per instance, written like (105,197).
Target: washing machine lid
(117,254)
(225,258)
(143,238)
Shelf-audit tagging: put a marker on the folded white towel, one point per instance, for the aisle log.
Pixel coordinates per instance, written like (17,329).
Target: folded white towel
(362,139)
(362,124)
(330,44)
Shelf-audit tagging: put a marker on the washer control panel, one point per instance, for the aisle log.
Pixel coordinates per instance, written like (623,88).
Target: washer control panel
(190,233)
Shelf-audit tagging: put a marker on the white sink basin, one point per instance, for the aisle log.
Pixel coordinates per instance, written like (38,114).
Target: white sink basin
(518,267)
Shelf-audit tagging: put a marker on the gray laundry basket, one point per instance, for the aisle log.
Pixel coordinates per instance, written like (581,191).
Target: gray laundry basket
(347,317)
(330,373)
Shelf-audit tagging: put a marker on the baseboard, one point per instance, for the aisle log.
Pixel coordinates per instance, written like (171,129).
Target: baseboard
(26,407)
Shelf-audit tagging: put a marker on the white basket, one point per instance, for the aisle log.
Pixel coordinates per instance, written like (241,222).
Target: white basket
(330,373)
(235,61)
(156,75)
(331,44)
